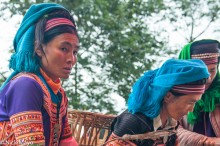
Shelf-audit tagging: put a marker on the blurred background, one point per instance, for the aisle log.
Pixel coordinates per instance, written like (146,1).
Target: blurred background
(119,41)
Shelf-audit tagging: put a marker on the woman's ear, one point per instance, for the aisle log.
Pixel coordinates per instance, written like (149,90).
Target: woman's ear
(39,49)
(39,52)
(168,97)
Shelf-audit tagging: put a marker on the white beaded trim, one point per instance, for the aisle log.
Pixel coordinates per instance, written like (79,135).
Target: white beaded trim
(205,55)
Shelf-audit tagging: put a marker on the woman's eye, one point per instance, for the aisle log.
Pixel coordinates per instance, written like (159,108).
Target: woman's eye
(191,103)
(63,49)
(212,71)
(75,52)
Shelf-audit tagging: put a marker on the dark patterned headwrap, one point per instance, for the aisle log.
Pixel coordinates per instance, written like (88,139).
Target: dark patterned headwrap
(208,51)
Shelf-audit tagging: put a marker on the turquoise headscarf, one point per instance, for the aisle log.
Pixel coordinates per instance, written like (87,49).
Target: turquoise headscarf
(23,60)
(211,97)
(149,91)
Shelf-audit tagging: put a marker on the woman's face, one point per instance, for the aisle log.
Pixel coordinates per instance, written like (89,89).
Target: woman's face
(213,71)
(60,55)
(177,107)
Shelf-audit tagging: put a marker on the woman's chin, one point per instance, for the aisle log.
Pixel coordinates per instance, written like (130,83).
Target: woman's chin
(207,86)
(177,118)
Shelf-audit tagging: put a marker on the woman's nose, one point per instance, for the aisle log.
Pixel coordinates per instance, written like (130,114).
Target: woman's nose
(72,58)
(208,83)
(191,108)
(209,79)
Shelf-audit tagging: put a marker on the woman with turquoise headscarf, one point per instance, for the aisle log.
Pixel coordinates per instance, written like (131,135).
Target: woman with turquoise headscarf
(202,125)
(158,99)
(33,105)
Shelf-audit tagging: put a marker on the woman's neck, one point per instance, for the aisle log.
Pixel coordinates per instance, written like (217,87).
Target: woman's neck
(55,86)
(163,116)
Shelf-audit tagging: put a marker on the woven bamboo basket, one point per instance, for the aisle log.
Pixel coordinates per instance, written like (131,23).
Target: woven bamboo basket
(88,128)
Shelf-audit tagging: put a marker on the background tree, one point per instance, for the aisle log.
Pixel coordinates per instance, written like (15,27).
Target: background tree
(188,16)
(2,77)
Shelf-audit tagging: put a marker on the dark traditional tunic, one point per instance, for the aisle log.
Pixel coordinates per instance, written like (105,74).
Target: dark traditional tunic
(128,123)
(204,126)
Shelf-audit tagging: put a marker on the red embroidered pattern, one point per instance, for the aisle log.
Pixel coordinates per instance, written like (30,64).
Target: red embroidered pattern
(51,109)
(28,127)
(113,142)
(67,130)
(6,133)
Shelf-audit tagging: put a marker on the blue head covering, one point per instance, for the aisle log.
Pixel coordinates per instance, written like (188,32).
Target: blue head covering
(23,60)
(149,91)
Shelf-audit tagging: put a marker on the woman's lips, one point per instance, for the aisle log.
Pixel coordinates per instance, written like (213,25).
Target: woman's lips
(67,70)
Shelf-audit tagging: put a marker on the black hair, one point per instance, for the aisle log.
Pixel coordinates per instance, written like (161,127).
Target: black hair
(203,46)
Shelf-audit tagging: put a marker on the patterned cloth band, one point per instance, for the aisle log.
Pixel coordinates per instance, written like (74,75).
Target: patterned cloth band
(58,21)
(207,58)
(189,89)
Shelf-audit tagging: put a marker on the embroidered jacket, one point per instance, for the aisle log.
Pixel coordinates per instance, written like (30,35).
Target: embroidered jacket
(28,115)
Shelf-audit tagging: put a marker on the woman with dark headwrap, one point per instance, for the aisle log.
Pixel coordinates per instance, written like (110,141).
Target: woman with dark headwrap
(158,99)
(202,126)
(33,105)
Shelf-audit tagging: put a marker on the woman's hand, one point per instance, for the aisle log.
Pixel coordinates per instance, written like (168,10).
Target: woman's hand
(211,141)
